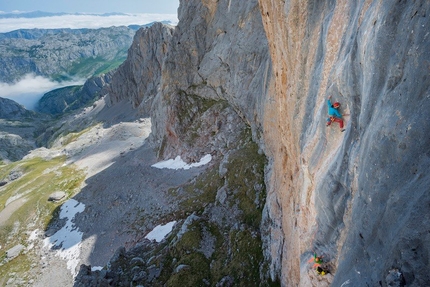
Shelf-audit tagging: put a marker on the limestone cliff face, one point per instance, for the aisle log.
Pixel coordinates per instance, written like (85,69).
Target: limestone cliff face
(358,197)
(219,55)
(138,78)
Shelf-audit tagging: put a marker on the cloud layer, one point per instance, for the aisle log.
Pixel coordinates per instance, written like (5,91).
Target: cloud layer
(31,88)
(82,21)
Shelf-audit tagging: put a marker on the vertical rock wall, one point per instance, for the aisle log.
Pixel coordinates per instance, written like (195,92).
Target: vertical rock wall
(358,197)
(218,52)
(138,78)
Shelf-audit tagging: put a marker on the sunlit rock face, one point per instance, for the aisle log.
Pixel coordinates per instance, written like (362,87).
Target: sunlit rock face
(358,197)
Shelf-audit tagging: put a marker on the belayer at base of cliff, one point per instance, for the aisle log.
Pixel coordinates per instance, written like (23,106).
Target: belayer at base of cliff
(321,271)
(334,114)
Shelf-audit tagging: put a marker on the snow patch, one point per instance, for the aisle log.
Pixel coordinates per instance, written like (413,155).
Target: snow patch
(160,231)
(178,163)
(33,235)
(67,241)
(96,268)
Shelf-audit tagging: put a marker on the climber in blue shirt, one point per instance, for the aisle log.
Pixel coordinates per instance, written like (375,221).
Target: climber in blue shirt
(334,114)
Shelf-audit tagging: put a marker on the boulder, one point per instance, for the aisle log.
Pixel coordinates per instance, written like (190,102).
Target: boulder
(14,251)
(15,174)
(395,278)
(57,196)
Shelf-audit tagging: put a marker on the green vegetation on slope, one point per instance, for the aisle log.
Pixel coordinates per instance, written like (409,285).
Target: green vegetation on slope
(73,136)
(29,193)
(217,241)
(96,66)
(237,256)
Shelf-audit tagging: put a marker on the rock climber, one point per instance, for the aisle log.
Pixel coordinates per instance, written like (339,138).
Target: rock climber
(334,115)
(318,265)
(317,260)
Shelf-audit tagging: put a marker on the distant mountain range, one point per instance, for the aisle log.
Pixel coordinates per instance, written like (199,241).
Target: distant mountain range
(62,54)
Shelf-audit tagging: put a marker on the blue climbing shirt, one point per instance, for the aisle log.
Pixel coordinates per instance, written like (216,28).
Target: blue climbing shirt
(332,111)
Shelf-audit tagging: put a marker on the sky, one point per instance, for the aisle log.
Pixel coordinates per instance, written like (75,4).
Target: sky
(92,6)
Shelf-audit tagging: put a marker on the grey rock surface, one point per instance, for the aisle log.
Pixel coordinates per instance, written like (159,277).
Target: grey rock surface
(125,192)
(377,184)
(19,128)
(11,110)
(15,174)
(225,58)
(395,278)
(14,147)
(14,251)
(56,196)
(138,83)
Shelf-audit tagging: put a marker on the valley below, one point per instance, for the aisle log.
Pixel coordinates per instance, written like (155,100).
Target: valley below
(104,170)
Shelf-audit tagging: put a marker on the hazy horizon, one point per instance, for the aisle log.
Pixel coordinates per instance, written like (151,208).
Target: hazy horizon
(93,6)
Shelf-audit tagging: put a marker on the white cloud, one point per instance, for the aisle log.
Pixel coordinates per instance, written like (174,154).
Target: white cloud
(82,21)
(31,88)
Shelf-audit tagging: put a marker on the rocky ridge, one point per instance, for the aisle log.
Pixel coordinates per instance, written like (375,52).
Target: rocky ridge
(18,129)
(11,110)
(140,83)
(67,99)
